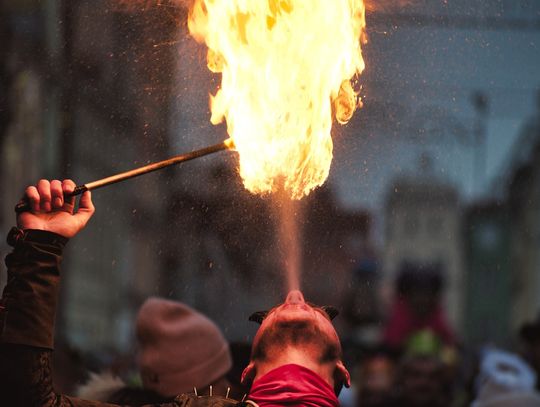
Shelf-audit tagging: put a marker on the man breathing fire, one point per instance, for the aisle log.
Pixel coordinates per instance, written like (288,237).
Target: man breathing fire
(296,353)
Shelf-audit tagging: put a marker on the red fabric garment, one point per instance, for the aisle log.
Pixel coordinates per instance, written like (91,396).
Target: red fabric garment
(292,385)
(403,323)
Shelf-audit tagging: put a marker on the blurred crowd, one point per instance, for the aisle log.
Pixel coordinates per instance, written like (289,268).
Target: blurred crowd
(417,359)
(410,357)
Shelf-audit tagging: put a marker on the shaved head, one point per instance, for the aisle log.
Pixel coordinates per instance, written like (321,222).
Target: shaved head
(297,332)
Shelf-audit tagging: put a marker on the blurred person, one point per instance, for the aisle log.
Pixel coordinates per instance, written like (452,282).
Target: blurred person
(361,307)
(179,349)
(241,353)
(296,352)
(530,335)
(417,306)
(505,380)
(421,382)
(375,382)
(425,375)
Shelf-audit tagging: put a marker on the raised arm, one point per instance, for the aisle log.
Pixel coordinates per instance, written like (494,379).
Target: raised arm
(28,304)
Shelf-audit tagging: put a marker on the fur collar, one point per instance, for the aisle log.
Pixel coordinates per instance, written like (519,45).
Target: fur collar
(100,386)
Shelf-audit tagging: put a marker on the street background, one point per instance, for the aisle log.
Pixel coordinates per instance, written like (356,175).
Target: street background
(440,169)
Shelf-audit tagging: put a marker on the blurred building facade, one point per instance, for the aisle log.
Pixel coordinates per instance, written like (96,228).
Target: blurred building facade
(523,197)
(502,246)
(488,281)
(86,102)
(423,226)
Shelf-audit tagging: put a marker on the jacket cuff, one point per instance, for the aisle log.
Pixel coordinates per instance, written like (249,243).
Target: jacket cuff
(18,236)
(28,304)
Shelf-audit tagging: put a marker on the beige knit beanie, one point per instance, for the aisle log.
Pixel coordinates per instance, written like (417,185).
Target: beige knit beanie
(179,348)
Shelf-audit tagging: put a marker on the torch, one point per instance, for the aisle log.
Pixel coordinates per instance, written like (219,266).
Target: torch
(228,144)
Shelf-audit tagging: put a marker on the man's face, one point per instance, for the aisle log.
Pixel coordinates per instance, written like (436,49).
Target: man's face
(299,329)
(296,323)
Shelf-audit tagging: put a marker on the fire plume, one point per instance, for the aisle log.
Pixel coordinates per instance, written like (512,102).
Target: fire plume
(286,68)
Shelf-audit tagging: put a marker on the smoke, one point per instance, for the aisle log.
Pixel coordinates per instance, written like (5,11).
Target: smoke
(288,218)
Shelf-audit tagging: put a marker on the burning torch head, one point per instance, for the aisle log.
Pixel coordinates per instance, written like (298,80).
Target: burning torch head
(303,328)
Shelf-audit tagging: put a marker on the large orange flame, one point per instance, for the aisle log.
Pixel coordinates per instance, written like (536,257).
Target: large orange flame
(286,69)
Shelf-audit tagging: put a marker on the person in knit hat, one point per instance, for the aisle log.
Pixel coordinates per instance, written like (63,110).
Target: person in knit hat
(180,351)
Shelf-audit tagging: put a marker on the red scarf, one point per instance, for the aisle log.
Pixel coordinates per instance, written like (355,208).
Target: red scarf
(292,385)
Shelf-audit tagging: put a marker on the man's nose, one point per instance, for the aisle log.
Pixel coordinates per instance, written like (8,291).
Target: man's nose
(295,297)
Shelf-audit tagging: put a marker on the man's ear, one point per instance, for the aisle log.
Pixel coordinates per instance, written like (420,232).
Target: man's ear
(248,374)
(341,374)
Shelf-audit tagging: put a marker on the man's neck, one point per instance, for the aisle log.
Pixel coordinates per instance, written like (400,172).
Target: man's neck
(291,355)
